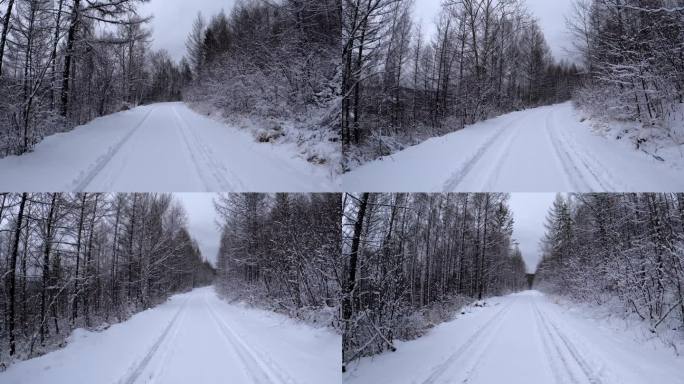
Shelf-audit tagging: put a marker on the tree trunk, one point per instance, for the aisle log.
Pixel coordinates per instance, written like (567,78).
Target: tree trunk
(71,37)
(53,55)
(353,257)
(5,31)
(484,251)
(44,297)
(87,266)
(11,276)
(74,306)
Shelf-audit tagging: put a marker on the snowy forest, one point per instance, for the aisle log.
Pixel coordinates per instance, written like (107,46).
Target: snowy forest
(282,252)
(277,62)
(632,55)
(72,261)
(618,249)
(412,260)
(63,63)
(400,87)
(272,61)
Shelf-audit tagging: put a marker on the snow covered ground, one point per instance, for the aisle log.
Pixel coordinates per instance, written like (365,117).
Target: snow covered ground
(160,148)
(193,338)
(546,149)
(523,338)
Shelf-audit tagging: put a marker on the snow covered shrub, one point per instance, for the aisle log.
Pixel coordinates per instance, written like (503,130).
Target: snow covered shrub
(619,248)
(269,62)
(281,253)
(633,56)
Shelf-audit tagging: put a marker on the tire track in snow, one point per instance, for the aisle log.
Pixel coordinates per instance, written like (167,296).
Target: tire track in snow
(547,341)
(572,175)
(166,352)
(473,366)
(209,163)
(493,177)
(570,169)
(83,181)
(576,158)
(261,371)
(552,329)
(439,370)
(137,369)
(457,177)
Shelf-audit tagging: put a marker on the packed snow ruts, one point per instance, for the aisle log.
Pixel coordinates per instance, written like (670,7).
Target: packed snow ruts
(161,147)
(195,336)
(486,58)
(523,338)
(417,260)
(63,63)
(101,258)
(545,149)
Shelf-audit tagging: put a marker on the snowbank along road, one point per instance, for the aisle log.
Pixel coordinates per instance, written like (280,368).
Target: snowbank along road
(193,338)
(160,148)
(522,339)
(544,149)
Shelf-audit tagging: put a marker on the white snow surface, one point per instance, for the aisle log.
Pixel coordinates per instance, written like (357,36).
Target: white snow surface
(159,148)
(545,149)
(523,338)
(192,338)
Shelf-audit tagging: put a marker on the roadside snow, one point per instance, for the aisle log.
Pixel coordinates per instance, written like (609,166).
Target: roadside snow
(523,338)
(546,149)
(193,338)
(312,139)
(160,148)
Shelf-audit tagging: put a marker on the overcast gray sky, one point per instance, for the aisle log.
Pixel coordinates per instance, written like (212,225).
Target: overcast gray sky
(550,13)
(173,20)
(202,222)
(530,211)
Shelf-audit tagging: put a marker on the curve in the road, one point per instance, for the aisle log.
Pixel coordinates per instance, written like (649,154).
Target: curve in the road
(604,178)
(501,159)
(84,181)
(196,147)
(574,161)
(571,174)
(457,176)
(581,170)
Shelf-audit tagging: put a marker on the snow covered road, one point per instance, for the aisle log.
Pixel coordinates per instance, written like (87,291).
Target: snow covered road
(160,148)
(527,339)
(544,149)
(193,338)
